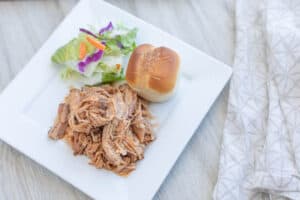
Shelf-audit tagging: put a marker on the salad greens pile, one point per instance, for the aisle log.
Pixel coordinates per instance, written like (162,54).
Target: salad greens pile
(93,58)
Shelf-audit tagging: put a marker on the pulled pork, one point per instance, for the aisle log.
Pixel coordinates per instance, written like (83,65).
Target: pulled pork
(111,125)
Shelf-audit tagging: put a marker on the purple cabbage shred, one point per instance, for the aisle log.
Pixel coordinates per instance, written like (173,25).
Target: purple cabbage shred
(109,27)
(92,58)
(120,45)
(87,32)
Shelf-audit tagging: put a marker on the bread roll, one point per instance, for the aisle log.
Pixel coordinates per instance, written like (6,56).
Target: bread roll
(153,71)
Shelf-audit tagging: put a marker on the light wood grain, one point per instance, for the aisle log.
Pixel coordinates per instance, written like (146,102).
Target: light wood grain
(207,25)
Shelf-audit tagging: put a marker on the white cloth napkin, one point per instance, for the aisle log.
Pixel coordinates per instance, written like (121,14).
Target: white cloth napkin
(260,154)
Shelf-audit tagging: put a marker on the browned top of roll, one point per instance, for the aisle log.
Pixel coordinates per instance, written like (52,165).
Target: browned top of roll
(153,68)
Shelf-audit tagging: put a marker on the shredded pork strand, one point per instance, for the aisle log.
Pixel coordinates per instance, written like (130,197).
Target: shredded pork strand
(111,125)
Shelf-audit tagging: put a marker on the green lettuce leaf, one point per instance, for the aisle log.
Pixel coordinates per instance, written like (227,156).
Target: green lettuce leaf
(108,77)
(70,51)
(119,41)
(68,73)
(128,41)
(110,74)
(102,74)
(112,48)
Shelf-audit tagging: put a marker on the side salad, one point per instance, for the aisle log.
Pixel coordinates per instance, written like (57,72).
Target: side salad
(96,57)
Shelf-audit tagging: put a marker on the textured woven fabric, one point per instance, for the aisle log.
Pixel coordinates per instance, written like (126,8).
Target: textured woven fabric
(260,154)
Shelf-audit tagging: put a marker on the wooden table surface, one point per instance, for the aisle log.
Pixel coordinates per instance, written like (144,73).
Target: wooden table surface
(207,25)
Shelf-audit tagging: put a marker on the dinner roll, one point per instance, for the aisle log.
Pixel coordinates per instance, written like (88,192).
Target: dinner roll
(153,71)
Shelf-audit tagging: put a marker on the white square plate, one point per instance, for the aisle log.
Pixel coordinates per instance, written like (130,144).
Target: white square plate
(30,102)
